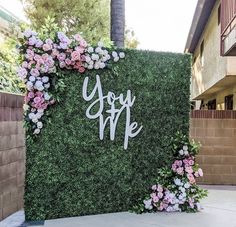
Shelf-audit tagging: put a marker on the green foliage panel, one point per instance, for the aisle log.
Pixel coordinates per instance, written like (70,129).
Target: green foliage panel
(71,172)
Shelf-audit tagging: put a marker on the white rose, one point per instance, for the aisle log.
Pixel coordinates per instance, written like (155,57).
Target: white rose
(116,59)
(38,115)
(25,107)
(96,65)
(37,131)
(114,54)
(38,83)
(181,152)
(39,124)
(187,185)
(185,152)
(47,85)
(40,110)
(122,54)
(100,44)
(90,66)
(148,204)
(45,79)
(90,50)
(177,182)
(32,78)
(182,189)
(87,59)
(35,120)
(46,96)
(98,50)
(31,115)
(185,147)
(102,65)
(95,57)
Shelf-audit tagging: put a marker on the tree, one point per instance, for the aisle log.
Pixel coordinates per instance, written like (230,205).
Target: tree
(90,17)
(118,22)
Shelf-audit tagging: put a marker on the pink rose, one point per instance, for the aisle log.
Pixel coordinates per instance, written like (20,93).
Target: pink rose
(189,169)
(68,61)
(78,37)
(83,43)
(24,64)
(61,57)
(180,170)
(62,64)
(200,172)
(191,162)
(160,194)
(75,55)
(159,188)
(81,69)
(155,199)
(31,95)
(154,187)
(47,47)
(37,100)
(34,72)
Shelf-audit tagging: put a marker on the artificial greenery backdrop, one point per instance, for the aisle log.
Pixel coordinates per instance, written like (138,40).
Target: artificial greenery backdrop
(71,172)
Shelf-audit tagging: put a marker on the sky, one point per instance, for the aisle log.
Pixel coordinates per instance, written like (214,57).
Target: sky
(160,25)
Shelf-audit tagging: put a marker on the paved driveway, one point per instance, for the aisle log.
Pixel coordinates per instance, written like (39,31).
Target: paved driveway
(219,211)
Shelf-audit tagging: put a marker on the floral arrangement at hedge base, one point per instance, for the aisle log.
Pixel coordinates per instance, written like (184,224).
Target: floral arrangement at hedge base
(175,188)
(43,60)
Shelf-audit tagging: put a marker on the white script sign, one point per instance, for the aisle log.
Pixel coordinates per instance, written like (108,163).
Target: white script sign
(114,113)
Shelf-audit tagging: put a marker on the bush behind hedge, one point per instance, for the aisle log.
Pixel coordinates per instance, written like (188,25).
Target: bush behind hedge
(70,172)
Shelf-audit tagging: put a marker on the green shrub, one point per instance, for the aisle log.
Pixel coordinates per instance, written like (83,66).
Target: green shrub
(71,172)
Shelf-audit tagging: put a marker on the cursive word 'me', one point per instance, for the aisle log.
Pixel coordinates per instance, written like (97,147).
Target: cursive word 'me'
(114,113)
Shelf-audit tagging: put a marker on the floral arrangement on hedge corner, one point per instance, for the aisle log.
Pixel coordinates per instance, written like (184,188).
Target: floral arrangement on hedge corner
(41,64)
(175,188)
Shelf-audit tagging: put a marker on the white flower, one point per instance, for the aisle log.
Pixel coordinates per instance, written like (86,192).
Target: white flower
(95,57)
(102,65)
(185,147)
(182,189)
(39,124)
(116,59)
(114,54)
(98,50)
(47,85)
(87,59)
(148,204)
(40,110)
(90,66)
(181,152)
(100,44)
(25,107)
(35,120)
(32,78)
(96,65)
(46,96)
(187,185)
(45,79)
(38,83)
(185,152)
(122,54)
(31,115)
(90,50)
(178,182)
(37,131)
(27,33)
(38,115)
(29,85)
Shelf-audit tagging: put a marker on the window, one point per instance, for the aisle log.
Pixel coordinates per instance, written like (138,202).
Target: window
(219,14)
(201,53)
(211,105)
(229,102)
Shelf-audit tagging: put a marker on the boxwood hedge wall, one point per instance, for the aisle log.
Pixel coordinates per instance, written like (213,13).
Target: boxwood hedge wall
(71,172)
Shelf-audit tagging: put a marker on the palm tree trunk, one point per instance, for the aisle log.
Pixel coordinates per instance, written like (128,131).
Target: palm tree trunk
(118,22)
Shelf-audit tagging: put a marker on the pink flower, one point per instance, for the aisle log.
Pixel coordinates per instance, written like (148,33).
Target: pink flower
(47,47)
(155,199)
(38,100)
(200,172)
(68,61)
(160,194)
(174,167)
(32,40)
(81,69)
(62,64)
(180,170)
(83,43)
(34,72)
(191,178)
(31,95)
(75,55)
(189,169)
(154,187)
(24,64)
(61,57)
(78,37)
(191,162)
(80,49)
(159,188)
(55,52)
(153,195)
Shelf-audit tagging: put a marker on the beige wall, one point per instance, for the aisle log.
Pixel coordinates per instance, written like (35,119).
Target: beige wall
(12,154)
(217,156)
(215,67)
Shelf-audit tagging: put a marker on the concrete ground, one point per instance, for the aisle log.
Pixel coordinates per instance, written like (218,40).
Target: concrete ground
(219,211)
